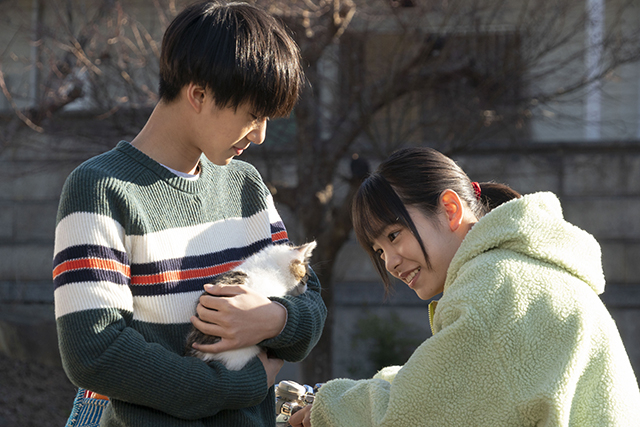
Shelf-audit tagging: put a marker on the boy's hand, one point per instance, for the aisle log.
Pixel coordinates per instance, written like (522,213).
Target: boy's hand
(239,316)
(302,418)
(271,366)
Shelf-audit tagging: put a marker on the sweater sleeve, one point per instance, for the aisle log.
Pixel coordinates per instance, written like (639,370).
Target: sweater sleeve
(100,349)
(118,362)
(306,314)
(438,385)
(349,402)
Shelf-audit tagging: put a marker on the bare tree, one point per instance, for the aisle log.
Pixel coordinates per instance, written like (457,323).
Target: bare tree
(381,74)
(446,73)
(94,58)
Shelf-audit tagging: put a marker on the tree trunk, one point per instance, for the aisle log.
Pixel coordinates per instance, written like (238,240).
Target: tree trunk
(317,367)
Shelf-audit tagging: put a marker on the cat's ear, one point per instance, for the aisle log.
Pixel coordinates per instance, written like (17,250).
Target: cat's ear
(306,249)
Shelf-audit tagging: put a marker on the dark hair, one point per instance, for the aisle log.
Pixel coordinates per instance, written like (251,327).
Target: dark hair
(239,52)
(415,177)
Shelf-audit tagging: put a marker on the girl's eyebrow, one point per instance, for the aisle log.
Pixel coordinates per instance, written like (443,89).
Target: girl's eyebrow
(384,232)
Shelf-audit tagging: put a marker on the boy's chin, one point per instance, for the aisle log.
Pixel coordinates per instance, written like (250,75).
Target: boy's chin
(221,161)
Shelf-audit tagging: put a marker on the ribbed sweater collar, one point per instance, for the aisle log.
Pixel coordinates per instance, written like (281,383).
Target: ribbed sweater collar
(207,169)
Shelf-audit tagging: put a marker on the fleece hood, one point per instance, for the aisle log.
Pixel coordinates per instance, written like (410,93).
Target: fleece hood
(533,225)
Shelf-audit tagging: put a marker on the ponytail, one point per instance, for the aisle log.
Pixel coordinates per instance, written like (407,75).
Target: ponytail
(493,194)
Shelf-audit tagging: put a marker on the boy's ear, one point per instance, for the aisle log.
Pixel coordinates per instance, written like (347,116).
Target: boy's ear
(195,95)
(453,208)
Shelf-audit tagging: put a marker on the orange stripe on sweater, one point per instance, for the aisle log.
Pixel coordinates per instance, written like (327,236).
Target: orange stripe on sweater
(281,235)
(176,276)
(91,263)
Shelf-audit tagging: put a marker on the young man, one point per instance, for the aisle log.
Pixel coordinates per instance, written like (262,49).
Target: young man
(142,228)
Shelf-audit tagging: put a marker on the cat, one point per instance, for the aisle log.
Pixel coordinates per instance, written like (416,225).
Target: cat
(276,270)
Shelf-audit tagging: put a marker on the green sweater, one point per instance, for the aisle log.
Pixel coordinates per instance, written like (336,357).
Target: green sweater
(134,246)
(521,338)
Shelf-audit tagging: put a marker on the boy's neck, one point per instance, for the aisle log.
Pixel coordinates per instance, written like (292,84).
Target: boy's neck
(165,138)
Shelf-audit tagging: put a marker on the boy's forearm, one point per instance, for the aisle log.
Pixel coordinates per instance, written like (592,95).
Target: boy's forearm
(119,363)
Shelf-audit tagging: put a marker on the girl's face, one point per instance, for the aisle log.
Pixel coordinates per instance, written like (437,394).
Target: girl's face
(400,251)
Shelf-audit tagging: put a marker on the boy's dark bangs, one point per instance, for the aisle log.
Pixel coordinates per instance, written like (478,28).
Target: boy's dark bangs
(241,56)
(269,83)
(272,93)
(376,206)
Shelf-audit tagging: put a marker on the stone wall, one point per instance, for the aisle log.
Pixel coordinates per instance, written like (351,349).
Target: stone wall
(599,187)
(598,184)
(32,173)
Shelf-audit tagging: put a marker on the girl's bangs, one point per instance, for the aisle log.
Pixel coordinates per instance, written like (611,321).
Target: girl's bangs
(375,207)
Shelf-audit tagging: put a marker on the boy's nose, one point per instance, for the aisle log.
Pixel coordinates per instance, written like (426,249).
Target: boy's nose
(258,135)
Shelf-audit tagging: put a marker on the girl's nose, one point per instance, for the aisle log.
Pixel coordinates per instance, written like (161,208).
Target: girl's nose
(392,261)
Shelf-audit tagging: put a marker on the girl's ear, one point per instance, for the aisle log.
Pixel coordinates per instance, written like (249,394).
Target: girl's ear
(453,208)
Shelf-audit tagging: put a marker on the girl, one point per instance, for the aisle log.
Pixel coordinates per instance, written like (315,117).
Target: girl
(520,336)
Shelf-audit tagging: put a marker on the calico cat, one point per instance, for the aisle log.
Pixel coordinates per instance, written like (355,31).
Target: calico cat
(276,270)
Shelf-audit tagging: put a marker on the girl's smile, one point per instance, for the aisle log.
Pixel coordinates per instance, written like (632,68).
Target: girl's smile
(441,235)
(412,275)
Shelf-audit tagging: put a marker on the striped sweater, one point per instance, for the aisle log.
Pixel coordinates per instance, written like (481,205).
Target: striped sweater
(134,246)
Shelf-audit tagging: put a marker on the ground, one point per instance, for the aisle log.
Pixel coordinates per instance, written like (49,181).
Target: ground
(33,394)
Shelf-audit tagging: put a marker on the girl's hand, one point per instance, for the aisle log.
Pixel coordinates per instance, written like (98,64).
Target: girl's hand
(302,418)
(238,315)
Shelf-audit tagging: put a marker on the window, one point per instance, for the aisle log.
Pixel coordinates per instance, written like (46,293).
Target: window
(468,85)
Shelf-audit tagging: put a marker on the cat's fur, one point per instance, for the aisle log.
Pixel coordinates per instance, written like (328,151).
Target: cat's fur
(276,270)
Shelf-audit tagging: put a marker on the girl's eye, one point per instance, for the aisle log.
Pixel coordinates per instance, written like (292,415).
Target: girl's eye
(392,236)
(379,252)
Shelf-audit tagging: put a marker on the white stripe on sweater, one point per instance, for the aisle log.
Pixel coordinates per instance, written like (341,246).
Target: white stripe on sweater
(198,239)
(74,297)
(87,228)
(166,309)
(160,309)
(83,228)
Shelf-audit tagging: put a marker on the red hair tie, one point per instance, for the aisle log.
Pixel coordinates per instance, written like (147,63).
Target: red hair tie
(477,189)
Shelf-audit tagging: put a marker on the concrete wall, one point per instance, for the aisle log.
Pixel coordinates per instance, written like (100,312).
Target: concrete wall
(599,187)
(598,184)
(31,178)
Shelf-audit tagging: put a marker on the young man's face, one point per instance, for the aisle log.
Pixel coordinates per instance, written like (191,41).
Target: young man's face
(227,132)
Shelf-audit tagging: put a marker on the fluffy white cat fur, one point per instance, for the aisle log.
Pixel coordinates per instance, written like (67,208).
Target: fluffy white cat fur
(276,270)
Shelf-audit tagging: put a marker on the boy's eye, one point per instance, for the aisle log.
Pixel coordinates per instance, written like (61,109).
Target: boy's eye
(258,119)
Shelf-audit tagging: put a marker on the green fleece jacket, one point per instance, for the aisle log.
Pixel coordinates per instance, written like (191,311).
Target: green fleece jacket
(521,338)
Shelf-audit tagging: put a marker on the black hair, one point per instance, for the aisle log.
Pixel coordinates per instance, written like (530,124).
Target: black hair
(238,52)
(416,177)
